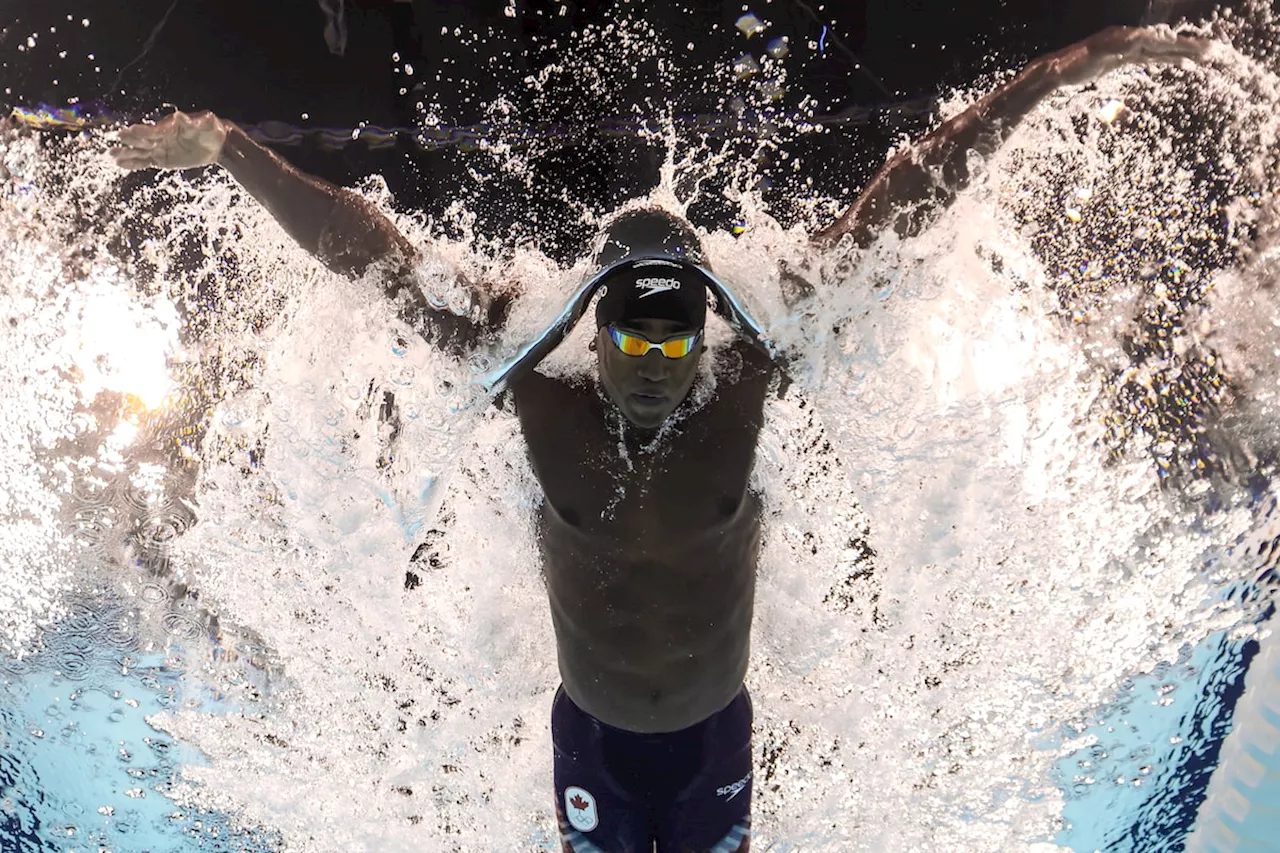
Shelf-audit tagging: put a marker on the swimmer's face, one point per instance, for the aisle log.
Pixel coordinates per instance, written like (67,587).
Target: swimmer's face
(647,388)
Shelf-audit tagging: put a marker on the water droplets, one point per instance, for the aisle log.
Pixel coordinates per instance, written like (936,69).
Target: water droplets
(405,376)
(1110,110)
(152,593)
(353,451)
(160,528)
(182,625)
(73,663)
(121,633)
(745,66)
(94,528)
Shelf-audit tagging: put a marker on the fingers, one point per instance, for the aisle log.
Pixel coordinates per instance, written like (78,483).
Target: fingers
(138,148)
(1118,46)
(1162,45)
(138,134)
(178,141)
(142,146)
(1133,42)
(132,158)
(1115,47)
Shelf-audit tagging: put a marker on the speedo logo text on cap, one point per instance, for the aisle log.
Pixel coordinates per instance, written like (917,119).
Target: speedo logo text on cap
(656,285)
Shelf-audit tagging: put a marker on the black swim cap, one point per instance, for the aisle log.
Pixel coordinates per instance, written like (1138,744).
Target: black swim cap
(656,289)
(649,232)
(650,257)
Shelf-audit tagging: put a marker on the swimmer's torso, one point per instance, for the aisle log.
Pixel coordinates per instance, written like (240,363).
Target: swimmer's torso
(649,552)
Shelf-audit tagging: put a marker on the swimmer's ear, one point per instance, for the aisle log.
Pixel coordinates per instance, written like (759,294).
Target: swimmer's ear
(592,346)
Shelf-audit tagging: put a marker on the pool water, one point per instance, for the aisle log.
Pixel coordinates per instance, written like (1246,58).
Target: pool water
(270,573)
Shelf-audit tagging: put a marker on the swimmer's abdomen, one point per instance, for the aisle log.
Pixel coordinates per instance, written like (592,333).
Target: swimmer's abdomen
(652,637)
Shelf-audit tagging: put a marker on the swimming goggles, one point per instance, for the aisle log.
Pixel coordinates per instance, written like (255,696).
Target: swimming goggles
(638,345)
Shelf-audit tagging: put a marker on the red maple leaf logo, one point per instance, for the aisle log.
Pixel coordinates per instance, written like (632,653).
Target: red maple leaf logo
(578,803)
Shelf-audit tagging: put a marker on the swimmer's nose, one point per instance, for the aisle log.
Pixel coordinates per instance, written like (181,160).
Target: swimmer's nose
(653,367)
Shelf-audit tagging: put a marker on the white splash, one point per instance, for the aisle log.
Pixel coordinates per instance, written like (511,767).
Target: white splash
(957,566)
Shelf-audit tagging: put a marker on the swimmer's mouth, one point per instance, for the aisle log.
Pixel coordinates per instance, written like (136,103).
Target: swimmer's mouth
(645,399)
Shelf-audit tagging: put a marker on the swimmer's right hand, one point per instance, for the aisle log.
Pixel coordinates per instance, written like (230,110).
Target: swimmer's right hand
(179,141)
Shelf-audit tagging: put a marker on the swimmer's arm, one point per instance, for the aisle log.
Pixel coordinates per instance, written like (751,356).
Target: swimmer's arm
(349,235)
(921,180)
(305,205)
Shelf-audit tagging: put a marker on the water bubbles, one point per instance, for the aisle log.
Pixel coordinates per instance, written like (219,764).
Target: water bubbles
(143,495)
(231,416)
(14,666)
(182,625)
(404,376)
(335,415)
(121,634)
(159,530)
(81,619)
(74,663)
(93,527)
(152,593)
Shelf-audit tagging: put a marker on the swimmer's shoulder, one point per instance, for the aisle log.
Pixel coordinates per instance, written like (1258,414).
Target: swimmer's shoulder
(537,396)
(743,369)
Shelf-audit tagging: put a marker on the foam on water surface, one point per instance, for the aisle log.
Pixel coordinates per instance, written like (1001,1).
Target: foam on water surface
(984,509)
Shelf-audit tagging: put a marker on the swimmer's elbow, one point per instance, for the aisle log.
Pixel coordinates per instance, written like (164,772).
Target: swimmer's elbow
(358,240)
(357,236)
(446,309)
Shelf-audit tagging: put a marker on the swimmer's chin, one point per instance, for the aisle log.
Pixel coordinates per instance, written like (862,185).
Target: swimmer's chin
(647,412)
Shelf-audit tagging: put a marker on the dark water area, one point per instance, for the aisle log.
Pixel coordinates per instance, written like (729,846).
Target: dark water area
(867,69)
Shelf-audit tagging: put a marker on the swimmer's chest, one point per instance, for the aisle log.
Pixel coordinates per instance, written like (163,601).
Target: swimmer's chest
(693,478)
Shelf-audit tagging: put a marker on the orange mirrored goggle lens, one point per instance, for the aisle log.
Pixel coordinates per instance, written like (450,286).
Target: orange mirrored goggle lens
(637,345)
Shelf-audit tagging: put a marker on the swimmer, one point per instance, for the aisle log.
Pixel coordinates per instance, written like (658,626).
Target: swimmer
(649,533)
